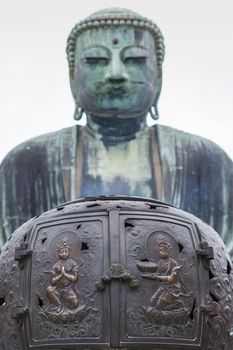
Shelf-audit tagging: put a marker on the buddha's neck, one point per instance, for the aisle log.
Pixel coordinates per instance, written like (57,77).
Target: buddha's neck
(113,131)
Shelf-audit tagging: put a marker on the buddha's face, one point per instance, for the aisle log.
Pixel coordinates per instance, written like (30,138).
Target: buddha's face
(115,72)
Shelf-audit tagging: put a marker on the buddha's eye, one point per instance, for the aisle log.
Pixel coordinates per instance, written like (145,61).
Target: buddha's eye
(135,60)
(96,61)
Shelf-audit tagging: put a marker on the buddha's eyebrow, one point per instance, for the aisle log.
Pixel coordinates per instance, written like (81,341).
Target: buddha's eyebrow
(94,47)
(140,48)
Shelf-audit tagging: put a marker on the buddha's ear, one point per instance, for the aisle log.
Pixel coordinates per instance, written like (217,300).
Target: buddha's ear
(154,107)
(78,112)
(72,85)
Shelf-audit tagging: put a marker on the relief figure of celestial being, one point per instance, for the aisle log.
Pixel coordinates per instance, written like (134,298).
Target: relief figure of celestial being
(171,300)
(168,295)
(64,275)
(115,61)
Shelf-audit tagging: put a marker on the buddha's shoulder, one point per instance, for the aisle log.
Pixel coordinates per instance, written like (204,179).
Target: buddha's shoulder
(42,145)
(187,141)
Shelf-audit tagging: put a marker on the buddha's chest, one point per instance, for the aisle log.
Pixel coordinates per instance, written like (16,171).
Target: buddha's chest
(124,168)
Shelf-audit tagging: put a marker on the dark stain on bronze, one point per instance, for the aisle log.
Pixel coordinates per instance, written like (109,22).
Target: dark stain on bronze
(138,35)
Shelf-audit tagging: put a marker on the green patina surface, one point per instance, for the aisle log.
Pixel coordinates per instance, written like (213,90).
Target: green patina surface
(116,72)
(115,76)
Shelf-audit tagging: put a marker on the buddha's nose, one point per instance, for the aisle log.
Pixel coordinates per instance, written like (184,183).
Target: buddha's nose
(116,71)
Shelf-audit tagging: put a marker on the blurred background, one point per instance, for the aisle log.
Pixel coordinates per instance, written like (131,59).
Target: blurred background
(197,93)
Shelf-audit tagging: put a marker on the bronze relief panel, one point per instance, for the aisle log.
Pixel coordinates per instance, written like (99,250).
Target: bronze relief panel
(64,302)
(163,258)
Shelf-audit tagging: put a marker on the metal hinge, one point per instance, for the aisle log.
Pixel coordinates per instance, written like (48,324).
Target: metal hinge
(19,312)
(212,308)
(117,272)
(22,253)
(206,252)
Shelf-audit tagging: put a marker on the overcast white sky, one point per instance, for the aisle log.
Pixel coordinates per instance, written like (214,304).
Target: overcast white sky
(198,70)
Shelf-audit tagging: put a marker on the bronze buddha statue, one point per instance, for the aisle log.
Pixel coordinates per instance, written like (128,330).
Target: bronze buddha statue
(115,60)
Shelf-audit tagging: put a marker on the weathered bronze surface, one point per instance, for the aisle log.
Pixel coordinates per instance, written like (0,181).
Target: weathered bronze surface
(115,60)
(115,273)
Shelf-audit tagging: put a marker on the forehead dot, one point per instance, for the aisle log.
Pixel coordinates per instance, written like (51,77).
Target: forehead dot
(115,41)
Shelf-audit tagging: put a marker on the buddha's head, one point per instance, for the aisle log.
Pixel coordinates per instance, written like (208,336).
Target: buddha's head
(115,59)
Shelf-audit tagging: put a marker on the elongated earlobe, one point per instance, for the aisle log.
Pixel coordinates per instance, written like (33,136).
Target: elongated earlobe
(78,113)
(154,112)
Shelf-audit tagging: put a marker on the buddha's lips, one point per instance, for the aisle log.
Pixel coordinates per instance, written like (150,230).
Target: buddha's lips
(112,89)
(115,89)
